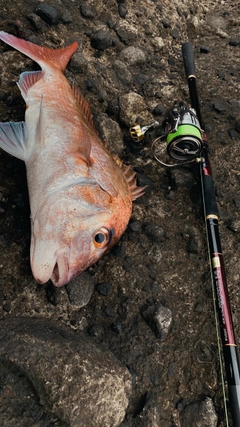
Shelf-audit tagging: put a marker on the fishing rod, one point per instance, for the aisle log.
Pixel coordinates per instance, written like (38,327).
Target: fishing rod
(187,143)
(218,274)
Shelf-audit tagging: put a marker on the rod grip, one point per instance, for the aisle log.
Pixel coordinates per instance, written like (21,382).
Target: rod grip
(188,59)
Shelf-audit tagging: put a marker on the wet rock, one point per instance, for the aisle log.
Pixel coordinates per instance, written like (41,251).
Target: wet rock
(150,414)
(80,289)
(78,63)
(76,383)
(159,318)
(154,232)
(66,17)
(133,56)
(101,40)
(104,289)
(199,414)
(193,237)
(219,107)
(126,32)
(233,134)
(135,226)
(159,110)
(122,10)
(234,225)
(204,49)
(113,107)
(36,21)
(235,41)
(110,131)
(132,107)
(175,33)
(87,11)
(182,178)
(48,13)
(122,72)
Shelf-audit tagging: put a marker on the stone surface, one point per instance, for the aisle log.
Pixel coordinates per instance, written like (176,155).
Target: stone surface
(58,375)
(132,107)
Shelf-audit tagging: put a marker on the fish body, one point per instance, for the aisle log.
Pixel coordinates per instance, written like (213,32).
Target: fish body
(80,194)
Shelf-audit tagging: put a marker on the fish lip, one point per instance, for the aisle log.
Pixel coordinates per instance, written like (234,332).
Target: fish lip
(60,272)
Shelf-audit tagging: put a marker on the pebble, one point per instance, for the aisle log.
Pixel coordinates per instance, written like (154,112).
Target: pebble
(200,413)
(66,17)
(113,107)
(132,107)
(159,110)
(104,289)
(235,42)
(101,40)
(234,225)
(154,232)
(116,327)
(80,289)
(48,13)
(36,21)
(122,10)
(78,64)
(204,49)
(135,226)
(122,72)
(175,33)
(233,134)
(219,107)
(125,32)
(110,131)
(133,56)
(87,12)
(159,318)
(143,180)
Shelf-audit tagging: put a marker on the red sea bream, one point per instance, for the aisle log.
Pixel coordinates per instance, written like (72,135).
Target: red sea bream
(80,194)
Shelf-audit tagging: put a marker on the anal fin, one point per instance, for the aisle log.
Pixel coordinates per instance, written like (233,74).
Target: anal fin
(13,139)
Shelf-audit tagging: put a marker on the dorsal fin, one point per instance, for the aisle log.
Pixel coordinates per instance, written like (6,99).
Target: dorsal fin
(83,105)
(130,176)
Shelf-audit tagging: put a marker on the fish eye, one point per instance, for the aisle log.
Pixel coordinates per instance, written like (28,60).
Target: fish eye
(102,237)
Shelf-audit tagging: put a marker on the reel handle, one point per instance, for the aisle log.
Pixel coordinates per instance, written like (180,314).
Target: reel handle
(188,60)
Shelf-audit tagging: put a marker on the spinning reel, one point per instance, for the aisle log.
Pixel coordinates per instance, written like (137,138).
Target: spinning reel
(183,135)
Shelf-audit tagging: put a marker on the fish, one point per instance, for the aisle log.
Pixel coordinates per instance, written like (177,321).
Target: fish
(80,193)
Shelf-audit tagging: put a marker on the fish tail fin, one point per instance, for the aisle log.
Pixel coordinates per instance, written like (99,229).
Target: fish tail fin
(42,55)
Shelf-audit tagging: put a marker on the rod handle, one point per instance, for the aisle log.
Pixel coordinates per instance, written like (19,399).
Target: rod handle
(188,59)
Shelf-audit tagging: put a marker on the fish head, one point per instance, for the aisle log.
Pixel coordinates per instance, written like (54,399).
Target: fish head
(69,234)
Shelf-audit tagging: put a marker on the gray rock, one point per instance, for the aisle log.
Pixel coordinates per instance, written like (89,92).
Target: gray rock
(48,13)
(199,414)
(122,72)
(159,318)
(234,225)
(132,107)
(87,11)
(110,131)
(59,375)
(80,289)
(126,32)
(101,40)
(133,56)
(78,63)
(150,415)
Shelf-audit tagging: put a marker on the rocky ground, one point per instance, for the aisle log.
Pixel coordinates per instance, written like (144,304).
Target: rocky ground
(137,330)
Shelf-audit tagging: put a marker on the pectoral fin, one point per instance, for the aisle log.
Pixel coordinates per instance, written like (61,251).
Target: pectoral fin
(13,139)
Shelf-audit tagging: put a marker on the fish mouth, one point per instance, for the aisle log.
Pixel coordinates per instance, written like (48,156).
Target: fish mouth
(60,273)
